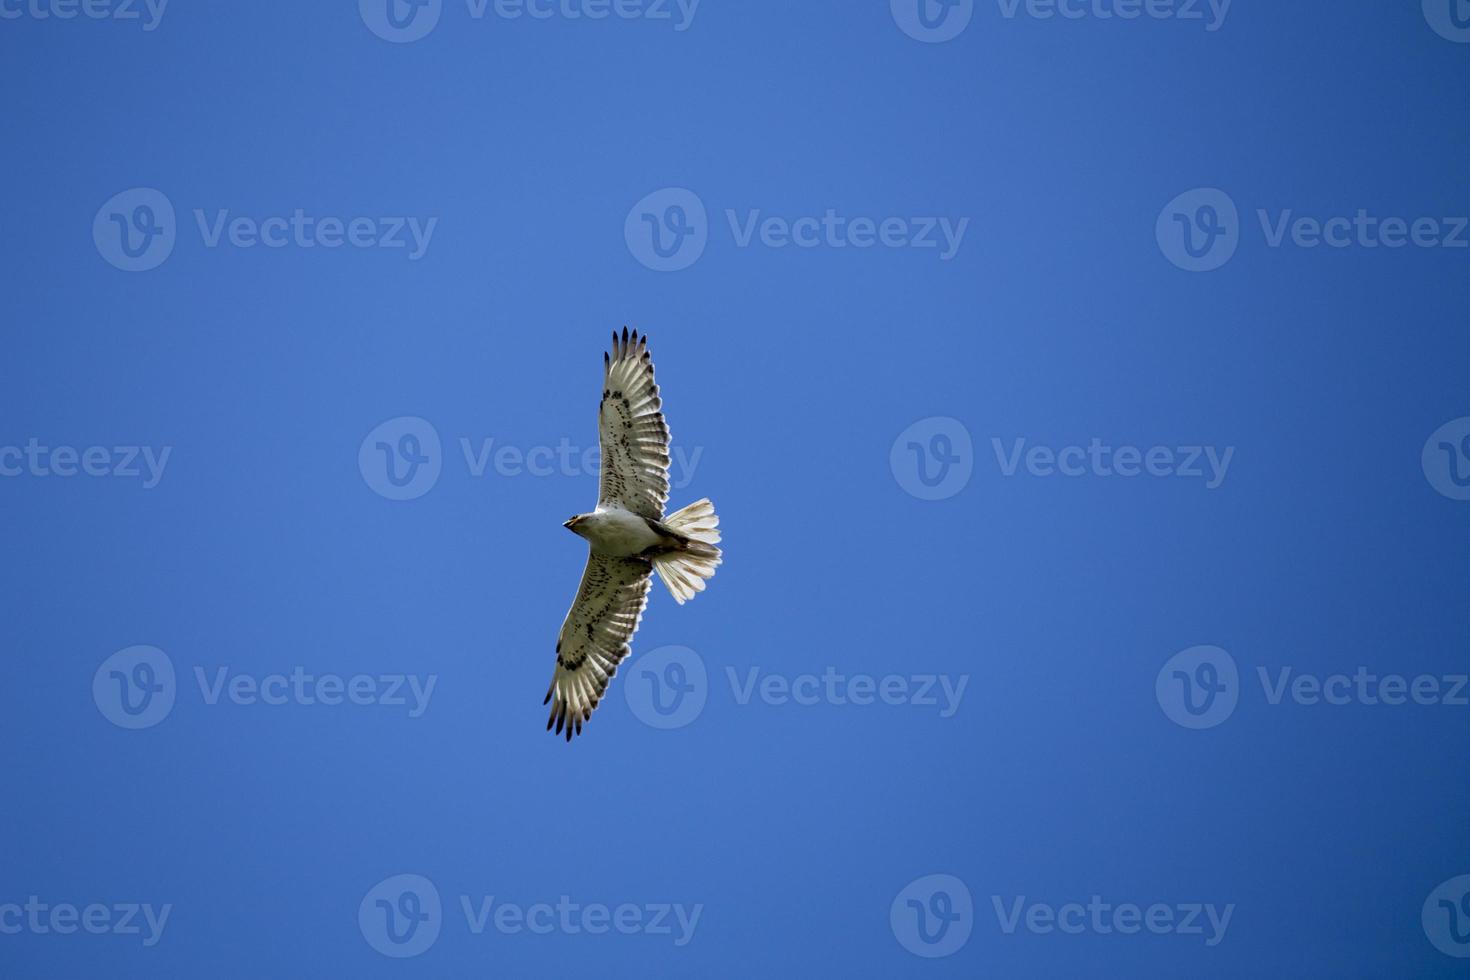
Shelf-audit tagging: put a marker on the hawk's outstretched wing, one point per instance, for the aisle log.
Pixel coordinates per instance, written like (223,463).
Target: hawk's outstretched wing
(635,439)
(594,637)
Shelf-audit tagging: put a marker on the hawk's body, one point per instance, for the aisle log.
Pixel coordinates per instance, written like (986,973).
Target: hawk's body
(628,538)
(618,533)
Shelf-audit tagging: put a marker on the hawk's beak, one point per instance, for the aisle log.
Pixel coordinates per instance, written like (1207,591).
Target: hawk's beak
(568,523)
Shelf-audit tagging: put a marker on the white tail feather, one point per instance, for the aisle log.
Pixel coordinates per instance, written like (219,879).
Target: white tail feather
(685,572)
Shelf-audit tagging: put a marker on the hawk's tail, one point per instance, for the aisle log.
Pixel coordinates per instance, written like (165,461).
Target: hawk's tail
(685,571)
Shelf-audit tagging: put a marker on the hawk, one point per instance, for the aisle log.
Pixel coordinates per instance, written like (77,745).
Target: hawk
(628,538)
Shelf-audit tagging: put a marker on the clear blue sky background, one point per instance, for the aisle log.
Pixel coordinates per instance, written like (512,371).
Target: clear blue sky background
(1061,319)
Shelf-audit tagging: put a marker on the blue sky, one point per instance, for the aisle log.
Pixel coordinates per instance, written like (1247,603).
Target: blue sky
(1081,387)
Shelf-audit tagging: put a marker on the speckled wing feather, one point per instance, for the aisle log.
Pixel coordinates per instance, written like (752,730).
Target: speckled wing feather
(635,438)
(594,637)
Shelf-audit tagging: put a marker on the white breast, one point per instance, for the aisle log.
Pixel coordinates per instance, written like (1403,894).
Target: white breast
(615,532)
